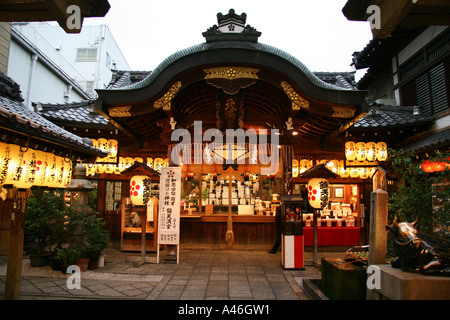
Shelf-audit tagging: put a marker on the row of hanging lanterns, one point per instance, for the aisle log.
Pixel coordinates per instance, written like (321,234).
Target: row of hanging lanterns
(123,164)
(110,145)
(27,168)
(298,167)
(366,151)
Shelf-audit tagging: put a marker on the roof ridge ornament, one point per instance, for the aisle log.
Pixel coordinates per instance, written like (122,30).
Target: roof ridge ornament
(231,27)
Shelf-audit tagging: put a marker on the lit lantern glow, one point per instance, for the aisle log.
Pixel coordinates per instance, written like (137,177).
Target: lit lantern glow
(354,172)
(435,166)
(333,165)
(150,162)
(29,169)
(158,163)
(360,150)
(382,151)
(67,173)
(305,164)
(350,153)
(5,155)
(113,146)
(15,167)
(140,190)
(295,168)
(41,166)
(318,193)
(363,173)
(50,171)
(371,151)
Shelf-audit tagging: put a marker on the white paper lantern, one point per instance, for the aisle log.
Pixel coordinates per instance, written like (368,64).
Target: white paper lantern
(371,151)
(50,174)
(382,151)
(318,193)
(67,175)
(140,190)
(350,153)
(360,150)
(5,155)
(41,166)
(113,146)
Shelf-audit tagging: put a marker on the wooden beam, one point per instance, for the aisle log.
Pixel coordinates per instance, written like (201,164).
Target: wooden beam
(392,13)
(16,238)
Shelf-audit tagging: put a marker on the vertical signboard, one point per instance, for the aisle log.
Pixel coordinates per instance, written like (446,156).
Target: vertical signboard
(169,206)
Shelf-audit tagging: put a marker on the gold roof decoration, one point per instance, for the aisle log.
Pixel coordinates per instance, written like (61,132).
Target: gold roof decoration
(297,101)
(231,73)
(165,101)
(120,112)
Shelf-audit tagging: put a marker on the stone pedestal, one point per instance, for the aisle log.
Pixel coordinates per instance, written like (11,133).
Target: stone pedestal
(396,284)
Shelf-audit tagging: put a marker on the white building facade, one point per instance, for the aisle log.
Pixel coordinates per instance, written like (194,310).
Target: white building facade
(52,66)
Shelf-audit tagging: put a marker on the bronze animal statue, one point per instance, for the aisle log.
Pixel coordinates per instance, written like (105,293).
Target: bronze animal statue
(419,252)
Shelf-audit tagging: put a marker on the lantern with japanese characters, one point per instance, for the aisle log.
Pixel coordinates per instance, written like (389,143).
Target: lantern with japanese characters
(140,190)
(350,153)
(371,151)
(41,165)
(15,166)
(5,155)
(113,146)
(382,151)
(318,193)
(360,150)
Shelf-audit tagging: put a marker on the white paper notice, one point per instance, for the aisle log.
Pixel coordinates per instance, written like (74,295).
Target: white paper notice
(169,206)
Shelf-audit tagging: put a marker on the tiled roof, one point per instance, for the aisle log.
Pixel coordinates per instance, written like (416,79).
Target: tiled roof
(435,140)
(77,113)
(123,78)
(17,119)
(383,116)
(344,80)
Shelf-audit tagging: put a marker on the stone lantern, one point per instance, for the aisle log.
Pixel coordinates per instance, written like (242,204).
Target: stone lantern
(80,188)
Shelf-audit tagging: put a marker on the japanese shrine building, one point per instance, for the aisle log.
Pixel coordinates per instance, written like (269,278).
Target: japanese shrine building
(232,81)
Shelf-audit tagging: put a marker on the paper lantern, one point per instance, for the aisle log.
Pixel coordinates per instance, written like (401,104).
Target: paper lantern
(382,151)
(113,147)
(158,163)
(333,165)
(318,193)
(5,155)
(344,173)
(140,190)
(363,173)
(360,150)
(67,173)
(295,168)
(150,162)
(350,153)
(15,165)
(50,176)
(305,164)
(138,159)
(59,173)
(41,166)
(371,151)
(29,169)
(354,172)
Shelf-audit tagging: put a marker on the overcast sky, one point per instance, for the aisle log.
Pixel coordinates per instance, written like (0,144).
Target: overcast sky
(315,32)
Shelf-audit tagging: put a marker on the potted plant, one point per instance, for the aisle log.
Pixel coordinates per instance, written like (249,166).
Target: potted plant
(96,239)
(66,256)
(43,209)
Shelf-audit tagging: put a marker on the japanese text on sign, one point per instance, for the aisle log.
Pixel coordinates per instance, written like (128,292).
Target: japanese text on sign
(169,209)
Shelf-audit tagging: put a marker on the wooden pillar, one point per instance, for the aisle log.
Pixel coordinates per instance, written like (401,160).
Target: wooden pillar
(286,158)
(15,252)
(378,221)
(229,237)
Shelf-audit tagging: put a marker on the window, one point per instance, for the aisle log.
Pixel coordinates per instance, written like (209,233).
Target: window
(87,54)
(426,78)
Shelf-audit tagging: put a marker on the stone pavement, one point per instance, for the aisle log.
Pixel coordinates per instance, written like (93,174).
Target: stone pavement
(200,275)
